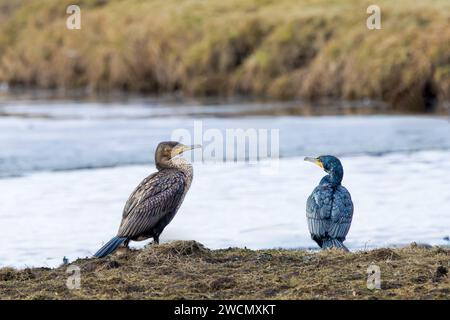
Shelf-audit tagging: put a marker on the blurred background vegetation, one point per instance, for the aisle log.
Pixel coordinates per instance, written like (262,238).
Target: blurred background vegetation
(280,49)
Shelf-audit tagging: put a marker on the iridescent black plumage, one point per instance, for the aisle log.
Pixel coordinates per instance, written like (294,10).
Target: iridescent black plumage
(329,209)
(156,200)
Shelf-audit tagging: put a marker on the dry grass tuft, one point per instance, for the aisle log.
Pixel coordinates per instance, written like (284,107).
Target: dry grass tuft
(383,254)
(174,250)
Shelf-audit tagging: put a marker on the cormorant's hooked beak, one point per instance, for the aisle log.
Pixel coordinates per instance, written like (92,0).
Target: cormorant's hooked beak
(315,161)
(180,148)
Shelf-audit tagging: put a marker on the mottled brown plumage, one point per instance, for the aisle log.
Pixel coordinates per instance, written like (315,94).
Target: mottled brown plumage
(156,200)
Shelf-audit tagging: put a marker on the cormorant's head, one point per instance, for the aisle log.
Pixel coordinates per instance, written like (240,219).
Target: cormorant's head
(169,149)
(331,165)
(327,163)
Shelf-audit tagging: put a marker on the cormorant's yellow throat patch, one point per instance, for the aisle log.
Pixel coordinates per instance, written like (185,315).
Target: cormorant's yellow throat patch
(319,163)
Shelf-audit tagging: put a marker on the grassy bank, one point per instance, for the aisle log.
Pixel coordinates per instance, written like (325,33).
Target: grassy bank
(187,270)
(273,48)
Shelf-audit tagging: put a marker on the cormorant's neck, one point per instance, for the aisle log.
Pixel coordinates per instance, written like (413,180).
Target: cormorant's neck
(174,163)
(334,176)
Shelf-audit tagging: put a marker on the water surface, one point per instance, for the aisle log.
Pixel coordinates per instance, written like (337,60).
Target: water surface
(68,168)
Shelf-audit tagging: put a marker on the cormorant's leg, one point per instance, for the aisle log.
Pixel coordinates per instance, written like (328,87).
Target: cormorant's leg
(126,243)
(156,239)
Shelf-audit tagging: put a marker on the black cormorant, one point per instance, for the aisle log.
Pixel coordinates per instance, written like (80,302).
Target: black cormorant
(155,201)
(329,209)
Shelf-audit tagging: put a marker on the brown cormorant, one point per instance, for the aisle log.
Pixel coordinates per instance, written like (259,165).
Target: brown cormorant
(155,201)
(329,209)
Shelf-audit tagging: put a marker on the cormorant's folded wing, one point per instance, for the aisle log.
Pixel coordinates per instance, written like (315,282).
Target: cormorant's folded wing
(318,211)
(341,214)
(158,195)
(138,193)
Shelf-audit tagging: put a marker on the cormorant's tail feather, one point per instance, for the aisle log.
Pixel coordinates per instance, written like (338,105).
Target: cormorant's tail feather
(110,247)
(334,243)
